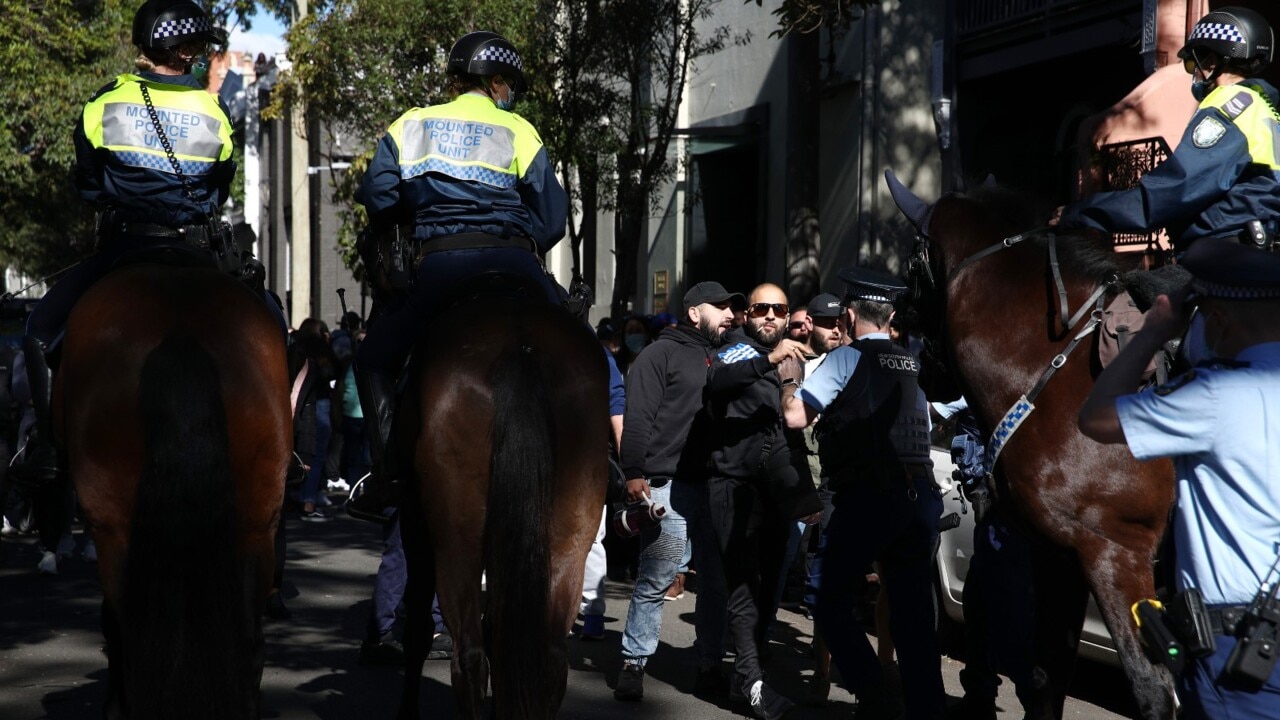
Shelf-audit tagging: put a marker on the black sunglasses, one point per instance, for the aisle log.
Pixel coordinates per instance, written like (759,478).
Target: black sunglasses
(759,310)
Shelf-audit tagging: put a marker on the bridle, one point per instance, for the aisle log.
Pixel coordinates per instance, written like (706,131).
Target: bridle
(921,270)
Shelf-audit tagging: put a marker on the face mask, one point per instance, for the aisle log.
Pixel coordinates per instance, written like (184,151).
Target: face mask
(508,103)
(1200,89)
(634,342)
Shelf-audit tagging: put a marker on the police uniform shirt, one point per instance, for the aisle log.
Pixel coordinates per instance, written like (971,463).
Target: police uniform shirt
(1224,173)
(465,166)
(1222,428)
(828,379)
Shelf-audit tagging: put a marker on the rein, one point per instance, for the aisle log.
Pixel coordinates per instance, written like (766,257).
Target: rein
(1093,306)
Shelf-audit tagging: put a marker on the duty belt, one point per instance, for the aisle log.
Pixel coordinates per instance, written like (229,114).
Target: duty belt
(1224,620)
(198,235)
(474,240)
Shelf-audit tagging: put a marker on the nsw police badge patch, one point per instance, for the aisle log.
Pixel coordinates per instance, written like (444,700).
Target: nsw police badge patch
(1208,132)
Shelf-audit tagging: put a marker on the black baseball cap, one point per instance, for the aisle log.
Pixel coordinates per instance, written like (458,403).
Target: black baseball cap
(712,292)
(825,305)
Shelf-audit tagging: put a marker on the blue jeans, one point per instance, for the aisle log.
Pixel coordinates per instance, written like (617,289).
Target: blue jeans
(310,492)
(389,583)
(662,550)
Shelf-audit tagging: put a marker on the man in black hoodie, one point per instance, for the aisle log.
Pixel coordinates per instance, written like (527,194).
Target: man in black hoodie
(756,479)
(664,394)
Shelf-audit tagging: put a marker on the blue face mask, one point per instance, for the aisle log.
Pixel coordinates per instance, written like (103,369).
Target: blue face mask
(508,103)
(634,342)
(1200,89)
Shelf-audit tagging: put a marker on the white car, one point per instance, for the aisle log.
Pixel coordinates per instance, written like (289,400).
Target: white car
(955,548)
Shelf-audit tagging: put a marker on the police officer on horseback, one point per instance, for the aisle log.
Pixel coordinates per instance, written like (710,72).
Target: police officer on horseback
(1224,177)
(873,440)
(472,180)
(153,155)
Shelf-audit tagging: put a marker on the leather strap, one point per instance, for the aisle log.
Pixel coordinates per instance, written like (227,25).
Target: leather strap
(471,241)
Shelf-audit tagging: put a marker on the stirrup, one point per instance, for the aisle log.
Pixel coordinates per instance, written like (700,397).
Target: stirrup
(355,509)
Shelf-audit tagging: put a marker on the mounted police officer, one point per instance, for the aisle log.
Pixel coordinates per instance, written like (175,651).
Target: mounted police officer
(474,182)
(874,445)
(1224,177)
(153,155)
(1219,424)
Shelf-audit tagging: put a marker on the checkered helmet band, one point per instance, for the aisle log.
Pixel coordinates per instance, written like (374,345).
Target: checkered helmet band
(1217,31)
(497,53)
(181,27)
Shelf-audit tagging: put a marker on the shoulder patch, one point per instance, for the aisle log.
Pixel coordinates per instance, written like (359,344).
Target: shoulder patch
(738,352)
(1208,132)
(1237,104)
(1176,384)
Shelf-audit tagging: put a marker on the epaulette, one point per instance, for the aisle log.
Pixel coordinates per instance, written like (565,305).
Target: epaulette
(1218,363)
(1176,383)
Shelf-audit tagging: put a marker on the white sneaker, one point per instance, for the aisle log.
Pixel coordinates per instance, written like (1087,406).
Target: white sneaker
(339,485)
(48,564)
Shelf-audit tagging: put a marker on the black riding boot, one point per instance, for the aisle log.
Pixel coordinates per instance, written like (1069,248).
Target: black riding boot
(380,490)
(39,465)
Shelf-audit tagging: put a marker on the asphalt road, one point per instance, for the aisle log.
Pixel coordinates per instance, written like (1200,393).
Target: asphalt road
(51,664)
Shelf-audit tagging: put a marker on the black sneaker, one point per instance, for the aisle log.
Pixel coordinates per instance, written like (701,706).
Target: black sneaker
(711,683)
(315,514)
(441,647)
(384,651)
(768,704)
(370,500)
(630,683)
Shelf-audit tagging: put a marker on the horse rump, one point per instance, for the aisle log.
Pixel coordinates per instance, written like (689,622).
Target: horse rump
(186,618)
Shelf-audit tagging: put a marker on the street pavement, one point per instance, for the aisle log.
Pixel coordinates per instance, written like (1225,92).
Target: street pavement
(51,664)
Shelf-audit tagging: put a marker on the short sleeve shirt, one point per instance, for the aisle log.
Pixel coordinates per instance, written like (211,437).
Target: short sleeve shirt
(1221,426)
(828,379)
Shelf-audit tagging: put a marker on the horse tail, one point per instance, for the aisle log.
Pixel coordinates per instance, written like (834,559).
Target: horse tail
(516,538)
(185,613)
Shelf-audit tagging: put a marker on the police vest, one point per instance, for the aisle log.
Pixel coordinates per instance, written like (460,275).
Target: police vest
(468,139)
(194,124)
(1253,116)
(875,426)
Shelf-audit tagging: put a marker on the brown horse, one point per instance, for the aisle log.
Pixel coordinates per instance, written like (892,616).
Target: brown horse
(504,424)
(172,401)
(999,317)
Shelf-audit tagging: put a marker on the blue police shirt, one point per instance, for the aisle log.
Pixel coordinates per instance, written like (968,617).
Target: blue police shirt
(1221,426)
(829,378)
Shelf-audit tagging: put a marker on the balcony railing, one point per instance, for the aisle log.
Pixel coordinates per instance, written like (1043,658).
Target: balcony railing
(976,17)
(1121,166)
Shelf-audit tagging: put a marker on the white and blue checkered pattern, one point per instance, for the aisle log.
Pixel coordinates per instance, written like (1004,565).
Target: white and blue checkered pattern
(1005,430)
(476,173)
(738,352)
(1216,31)
(162,164)
(495,53)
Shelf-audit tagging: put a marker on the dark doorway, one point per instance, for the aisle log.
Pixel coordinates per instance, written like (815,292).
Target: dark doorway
(727,220)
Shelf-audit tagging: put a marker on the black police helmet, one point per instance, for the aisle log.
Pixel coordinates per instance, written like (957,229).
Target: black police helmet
(1240,36)
(164,24)
(486,54)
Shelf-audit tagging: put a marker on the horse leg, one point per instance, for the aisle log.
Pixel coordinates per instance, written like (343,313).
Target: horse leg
(459,567)
(1121,577)
(114,708)
(419,589)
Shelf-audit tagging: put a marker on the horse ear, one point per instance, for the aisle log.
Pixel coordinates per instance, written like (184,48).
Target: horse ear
(915,209)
